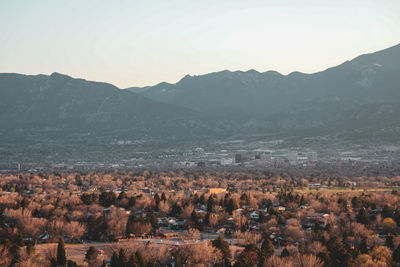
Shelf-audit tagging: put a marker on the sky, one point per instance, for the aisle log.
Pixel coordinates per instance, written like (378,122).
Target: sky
(140,43)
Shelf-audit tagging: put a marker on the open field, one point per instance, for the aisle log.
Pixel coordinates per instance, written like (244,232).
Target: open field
(76,252)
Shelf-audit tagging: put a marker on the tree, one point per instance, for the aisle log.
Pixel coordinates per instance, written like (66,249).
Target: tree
(362,216)
(249,256)
(396,254)
(382,254)
(201,254)
(16,252)
(157,199)
(211,203)
(114,260)
(153,221)
(339,255)
(285,253)
(231,206)
(139,258)
(178,260)
(192,234)
(121,258)
(61,257)
(388,225)
(212,219)
(363,246)
(91,255)
(223,246)
(107,199)
(176,210)
(387,211)
(267,248)
(305,260)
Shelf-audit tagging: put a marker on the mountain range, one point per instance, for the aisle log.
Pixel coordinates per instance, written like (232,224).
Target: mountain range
(359,98)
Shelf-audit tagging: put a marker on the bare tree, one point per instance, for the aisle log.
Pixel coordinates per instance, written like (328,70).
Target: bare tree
(192,234)
(308,260)
(203,254)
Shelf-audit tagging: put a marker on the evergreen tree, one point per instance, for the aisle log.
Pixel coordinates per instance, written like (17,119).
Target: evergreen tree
(249,257)
(131,261)
(178,260)
(30,249)
(91,255)
(114,260)
(339,255)
(107,199)
(267,248)
(139,258)
(396,254)
(387,212)
(363,246)
(129,224)
(231,206)
(121,258)
(194,217)
(61,257)
(157,200)
(223,246)
(154,221)
(397,216)
(19,240)
(362,216)
(285,253)
(176,210)
(207,219)
(210,203)
(324,256)
(15,252)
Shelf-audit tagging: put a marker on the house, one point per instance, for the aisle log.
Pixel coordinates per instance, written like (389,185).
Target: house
(281,208)
(221,230)
(254,215)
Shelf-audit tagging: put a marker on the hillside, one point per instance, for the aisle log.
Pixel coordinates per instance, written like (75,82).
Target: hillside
(61,106)
(363,93)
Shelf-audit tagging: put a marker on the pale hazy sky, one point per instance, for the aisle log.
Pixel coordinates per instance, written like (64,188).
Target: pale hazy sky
(136,43)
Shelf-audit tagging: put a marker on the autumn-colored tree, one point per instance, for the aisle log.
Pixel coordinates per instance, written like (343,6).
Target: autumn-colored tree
(192,234)
(388,225)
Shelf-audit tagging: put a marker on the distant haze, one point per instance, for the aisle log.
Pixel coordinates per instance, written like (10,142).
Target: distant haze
(137,43)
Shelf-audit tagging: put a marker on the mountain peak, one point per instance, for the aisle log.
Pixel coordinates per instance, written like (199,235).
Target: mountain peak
(57,75)
(185,78)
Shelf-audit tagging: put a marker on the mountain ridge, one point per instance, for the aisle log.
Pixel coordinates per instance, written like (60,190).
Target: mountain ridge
(361,95)
(58,103)
(297,100)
